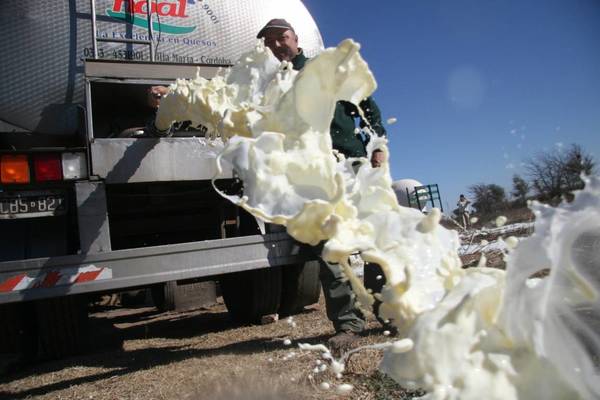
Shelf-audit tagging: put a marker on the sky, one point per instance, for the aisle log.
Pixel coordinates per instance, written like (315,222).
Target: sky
(477,87)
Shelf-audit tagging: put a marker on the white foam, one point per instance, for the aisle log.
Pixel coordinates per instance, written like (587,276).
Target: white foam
(469,334)
(344,388)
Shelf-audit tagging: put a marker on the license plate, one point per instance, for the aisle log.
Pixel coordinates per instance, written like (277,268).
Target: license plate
(30,206)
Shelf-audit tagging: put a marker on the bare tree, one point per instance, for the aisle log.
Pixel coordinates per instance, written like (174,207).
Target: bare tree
(556,173)
(520,190)
(577,163)
(488,198)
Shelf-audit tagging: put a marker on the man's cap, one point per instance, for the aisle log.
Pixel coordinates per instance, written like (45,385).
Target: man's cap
(275,23)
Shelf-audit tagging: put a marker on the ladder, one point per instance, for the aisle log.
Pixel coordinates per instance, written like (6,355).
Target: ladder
(96,39)
(421,195)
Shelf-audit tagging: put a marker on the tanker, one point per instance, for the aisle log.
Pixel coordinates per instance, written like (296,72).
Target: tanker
(92,203)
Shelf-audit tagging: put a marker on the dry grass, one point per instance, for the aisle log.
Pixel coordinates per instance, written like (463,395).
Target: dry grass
(514,215)
(494,259)
(201,354)
(146,355)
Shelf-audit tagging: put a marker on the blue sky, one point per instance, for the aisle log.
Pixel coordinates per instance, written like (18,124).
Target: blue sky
(477,86)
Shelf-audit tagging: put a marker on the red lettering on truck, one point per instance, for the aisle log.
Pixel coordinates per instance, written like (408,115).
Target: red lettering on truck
(165,8)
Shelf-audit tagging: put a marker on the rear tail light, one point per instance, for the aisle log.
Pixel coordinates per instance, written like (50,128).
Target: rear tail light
(74,166)
(47,167)
(14,169)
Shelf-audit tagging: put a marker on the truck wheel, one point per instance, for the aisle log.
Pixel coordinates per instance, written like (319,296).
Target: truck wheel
(301,287)
(249,295)
(163,296)
(133,298)
(62,326)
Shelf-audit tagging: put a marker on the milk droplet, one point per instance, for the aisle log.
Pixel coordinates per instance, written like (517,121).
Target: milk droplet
(391,121)
(512,242)
(337,367)
(386,333)
(482,261)
(473,220)
(325,385)
(344,388)
(430,221)
(287,342)
(379,277)
(402,345)
(501,220)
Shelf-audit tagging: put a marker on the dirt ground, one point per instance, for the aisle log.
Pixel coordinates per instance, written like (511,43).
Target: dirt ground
(144,354)
(201,354)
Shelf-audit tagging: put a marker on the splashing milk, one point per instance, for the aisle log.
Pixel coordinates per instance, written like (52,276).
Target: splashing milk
(470,334)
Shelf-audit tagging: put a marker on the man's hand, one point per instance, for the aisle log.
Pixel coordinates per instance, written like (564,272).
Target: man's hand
(155,94)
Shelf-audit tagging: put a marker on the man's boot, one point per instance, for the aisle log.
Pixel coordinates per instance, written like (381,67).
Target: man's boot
(342,341)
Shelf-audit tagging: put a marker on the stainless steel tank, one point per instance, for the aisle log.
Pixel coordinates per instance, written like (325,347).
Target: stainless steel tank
(43,44)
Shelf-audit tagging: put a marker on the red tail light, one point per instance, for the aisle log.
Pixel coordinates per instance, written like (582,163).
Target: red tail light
(48,167)
(15,169)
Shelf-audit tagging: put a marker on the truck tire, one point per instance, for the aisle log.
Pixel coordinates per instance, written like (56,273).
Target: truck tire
(133,298)
(301,287)
(62,326)
(249,295)
(163,296)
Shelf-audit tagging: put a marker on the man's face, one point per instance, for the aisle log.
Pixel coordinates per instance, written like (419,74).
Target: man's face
(377,159)
(283,43)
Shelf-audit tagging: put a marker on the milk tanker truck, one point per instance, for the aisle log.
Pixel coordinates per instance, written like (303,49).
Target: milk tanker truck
(89,204)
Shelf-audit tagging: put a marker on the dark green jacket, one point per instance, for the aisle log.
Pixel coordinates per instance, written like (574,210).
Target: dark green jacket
(343,124)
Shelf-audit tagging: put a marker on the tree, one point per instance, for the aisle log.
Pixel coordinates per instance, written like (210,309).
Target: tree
(577,163)
(488,198)
(557,173)
(520,189)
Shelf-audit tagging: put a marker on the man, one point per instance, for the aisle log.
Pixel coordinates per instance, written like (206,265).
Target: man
(377,158)
(463,213)
(347,319)
(280,37)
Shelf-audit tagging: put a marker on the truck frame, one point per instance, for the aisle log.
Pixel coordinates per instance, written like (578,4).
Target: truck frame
(128,211)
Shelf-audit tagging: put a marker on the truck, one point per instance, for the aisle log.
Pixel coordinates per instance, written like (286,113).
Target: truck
(90,203)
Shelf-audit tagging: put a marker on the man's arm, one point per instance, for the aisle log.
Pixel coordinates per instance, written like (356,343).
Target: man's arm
(373,116)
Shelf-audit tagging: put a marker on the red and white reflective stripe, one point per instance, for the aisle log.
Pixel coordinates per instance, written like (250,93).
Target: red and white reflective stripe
(62,277)
(18,282)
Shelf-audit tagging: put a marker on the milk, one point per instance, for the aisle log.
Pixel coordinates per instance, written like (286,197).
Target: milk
(468,334)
